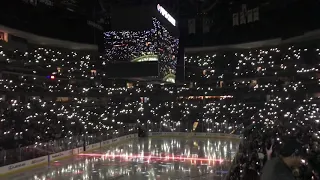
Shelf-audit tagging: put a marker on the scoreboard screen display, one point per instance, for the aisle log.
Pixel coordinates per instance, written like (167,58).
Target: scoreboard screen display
(156,45)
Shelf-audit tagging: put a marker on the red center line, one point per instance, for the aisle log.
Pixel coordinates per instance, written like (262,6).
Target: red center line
(181,158)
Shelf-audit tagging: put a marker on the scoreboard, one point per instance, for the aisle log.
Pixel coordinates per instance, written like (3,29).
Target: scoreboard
(145,41)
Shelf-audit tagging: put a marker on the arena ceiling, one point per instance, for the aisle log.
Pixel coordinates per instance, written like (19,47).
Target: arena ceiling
(185,8)
(192,8)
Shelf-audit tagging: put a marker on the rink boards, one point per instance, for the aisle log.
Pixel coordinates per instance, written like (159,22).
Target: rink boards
(45,160)
(197,135)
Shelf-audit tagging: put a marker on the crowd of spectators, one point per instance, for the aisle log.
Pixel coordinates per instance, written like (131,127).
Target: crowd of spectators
(286,77)
(54,99)
(281,118)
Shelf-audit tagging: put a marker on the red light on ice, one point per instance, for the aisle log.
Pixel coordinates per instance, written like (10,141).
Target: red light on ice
(166,158)
(52,77)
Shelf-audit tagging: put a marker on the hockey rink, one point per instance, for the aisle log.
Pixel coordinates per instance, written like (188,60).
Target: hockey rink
(144,158)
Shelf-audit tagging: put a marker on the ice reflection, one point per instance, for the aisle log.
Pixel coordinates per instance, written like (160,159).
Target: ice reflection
(147,159)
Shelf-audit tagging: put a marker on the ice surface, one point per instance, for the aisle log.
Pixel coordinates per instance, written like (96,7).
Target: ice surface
(148,158)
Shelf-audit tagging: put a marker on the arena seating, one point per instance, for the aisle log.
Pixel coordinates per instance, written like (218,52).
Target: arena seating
(58,96)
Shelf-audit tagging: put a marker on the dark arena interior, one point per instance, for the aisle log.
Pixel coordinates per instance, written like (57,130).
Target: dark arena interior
(159,90)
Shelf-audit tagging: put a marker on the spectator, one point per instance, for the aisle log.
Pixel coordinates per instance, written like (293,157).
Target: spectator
(280,167)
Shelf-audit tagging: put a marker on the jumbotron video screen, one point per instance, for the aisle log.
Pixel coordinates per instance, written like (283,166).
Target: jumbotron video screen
(156,44)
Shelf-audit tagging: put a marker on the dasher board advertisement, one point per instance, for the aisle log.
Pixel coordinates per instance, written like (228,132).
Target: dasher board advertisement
(3,36)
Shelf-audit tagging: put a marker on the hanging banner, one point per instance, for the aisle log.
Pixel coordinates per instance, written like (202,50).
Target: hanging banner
(245,16)
(192,26)
(235,19)
(206,25)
